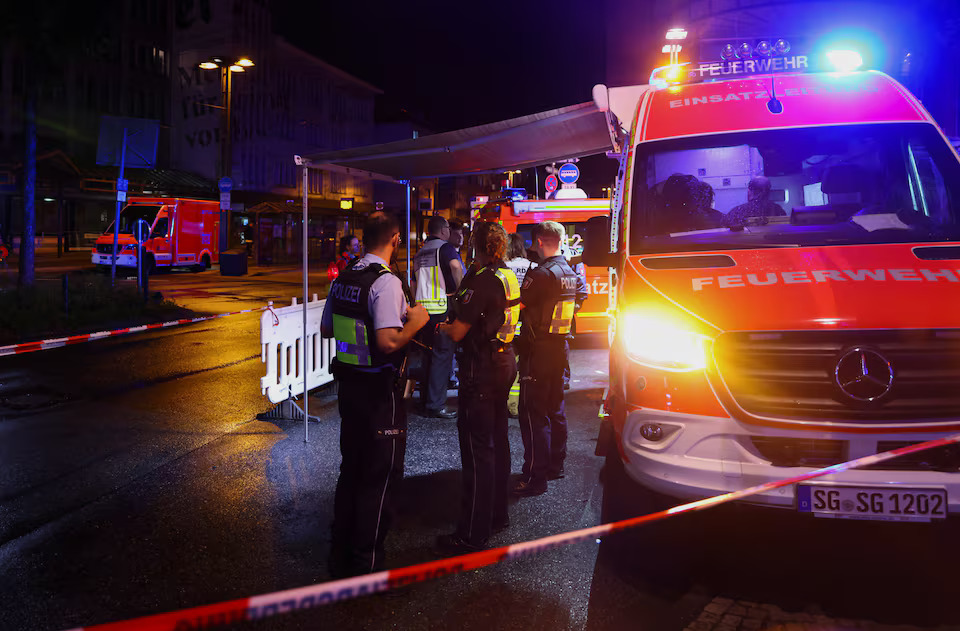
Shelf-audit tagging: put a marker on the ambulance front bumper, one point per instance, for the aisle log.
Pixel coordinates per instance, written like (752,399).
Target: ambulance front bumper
(123,260)
(700,456)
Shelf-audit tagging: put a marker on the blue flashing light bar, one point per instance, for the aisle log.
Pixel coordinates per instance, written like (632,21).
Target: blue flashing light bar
(844,60)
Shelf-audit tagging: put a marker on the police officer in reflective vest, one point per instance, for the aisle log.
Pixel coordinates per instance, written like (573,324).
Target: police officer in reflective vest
(487,310)
(548,295)
(367,312)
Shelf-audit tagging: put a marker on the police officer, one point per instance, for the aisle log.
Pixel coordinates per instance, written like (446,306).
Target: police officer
(487,310)
(365,312)
(548,295)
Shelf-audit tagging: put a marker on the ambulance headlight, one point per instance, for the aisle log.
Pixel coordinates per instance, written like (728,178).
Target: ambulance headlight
(764,49)
(657,341)
(728,52)
(844,60)
(745,51)
(781,47)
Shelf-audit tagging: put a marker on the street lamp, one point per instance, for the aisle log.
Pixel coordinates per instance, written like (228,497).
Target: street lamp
(226,149)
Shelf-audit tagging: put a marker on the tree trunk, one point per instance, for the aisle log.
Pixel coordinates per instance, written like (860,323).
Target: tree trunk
(26,269)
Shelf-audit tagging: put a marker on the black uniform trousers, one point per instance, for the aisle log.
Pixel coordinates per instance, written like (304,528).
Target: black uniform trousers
(543,425)
(485,381)
(372,450)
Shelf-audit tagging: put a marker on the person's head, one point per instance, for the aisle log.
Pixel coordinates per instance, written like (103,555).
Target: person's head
(349,244)
(438,227)
(704,196)
(456,234)
(547,237)
(758,189)
(381,235)
(489,242)
(679,193)
(516,247)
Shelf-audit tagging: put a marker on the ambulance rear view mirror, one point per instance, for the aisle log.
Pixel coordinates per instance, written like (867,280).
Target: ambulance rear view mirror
(596,243)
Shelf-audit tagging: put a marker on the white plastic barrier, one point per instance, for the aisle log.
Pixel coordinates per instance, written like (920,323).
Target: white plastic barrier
(281,334)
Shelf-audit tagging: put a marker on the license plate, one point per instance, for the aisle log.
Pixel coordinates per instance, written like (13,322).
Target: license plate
(879,503)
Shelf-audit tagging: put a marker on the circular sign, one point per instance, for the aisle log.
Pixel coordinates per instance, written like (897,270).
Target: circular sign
(551,183)
(141,231)
(569,173)
(225,184)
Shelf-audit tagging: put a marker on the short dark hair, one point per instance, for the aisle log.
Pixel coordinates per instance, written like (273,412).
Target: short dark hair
(436,225)
(345,242)
(551,232)
(379,230)
(456,226)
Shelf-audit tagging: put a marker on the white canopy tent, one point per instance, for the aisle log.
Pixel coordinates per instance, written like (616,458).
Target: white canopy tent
(578,130)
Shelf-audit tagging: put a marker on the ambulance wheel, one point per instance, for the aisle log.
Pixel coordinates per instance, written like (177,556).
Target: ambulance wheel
(206,261)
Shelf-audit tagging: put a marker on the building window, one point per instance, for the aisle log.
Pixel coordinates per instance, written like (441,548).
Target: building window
(338,183)
(315,179)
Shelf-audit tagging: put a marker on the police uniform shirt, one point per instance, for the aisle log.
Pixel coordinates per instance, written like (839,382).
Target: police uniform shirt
(481,302)
(538,285)
(386,301)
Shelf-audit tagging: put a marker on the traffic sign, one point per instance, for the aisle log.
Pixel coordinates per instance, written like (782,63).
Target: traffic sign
(123,184)
(569,173)
(225,184)
(551,183)
(225,201)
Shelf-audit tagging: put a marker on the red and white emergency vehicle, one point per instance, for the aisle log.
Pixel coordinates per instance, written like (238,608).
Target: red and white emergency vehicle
(522,216)
(183,233)
(751,345)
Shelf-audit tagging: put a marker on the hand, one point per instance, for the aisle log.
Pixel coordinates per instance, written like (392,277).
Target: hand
(418,316)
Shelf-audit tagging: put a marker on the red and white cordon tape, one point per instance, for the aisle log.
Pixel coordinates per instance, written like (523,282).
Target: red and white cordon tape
(42,345)
(233,612)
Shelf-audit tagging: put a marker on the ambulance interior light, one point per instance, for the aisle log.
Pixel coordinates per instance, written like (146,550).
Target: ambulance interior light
(844,60)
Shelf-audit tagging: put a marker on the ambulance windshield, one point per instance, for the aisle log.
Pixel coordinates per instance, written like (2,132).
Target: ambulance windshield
(839,185)
(131,214)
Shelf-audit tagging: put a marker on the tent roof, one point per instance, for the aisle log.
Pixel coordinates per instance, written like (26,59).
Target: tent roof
(518,143)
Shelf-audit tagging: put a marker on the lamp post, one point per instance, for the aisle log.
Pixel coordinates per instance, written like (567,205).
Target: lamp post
(226,120)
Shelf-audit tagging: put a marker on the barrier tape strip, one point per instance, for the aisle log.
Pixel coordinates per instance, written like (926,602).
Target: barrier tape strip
(42,345)
(266,605)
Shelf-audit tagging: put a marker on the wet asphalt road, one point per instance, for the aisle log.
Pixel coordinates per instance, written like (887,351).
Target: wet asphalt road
(135,479)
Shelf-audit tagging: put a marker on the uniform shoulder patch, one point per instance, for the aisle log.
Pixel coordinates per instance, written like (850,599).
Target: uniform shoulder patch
(527,281)
(467,295)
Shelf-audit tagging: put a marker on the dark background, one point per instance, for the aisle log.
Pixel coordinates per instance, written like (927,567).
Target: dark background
(456,64)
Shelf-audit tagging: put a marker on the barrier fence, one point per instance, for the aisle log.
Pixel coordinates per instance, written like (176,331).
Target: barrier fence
(233,612)
(281,338)
(42,345)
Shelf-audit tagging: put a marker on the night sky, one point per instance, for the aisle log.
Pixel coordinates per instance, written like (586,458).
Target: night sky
(456,64)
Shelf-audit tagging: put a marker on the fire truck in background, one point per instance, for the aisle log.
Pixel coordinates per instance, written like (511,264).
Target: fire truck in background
(183,233)
(800,313)
(521,217)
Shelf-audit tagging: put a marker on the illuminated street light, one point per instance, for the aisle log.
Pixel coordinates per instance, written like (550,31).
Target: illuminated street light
(677,33)
(227,71)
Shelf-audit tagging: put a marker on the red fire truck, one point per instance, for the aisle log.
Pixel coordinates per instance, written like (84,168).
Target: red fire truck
(183,233)
(803,310)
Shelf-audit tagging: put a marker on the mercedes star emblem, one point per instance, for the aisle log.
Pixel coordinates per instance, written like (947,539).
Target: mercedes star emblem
(863,375)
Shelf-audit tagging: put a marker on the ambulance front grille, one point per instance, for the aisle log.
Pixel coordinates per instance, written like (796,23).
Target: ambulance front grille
(791,375)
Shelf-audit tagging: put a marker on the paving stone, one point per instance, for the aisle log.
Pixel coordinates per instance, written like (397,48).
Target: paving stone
(750,624)
(737,610)
(700,625)
(748,604)
(732,620)
(718,607)
(709,617)
(758,613)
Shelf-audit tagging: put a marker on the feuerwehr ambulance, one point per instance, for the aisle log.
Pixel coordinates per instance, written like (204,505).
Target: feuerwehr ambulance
(802,312)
